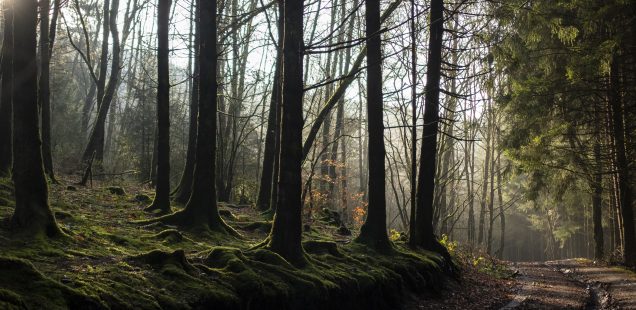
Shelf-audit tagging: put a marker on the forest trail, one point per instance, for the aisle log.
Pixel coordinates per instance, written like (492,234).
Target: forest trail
(573,284)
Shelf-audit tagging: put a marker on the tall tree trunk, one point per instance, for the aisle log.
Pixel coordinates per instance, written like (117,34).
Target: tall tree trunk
(268,183)
(484,188)
(285,237)
(44,88)
(413,163)
(625,198)
(597,191)
(373,231)
(424,235)
(491,200)
(184,189)
(6,109)
(502,214)
(201,211)
(162,189)
(32,216)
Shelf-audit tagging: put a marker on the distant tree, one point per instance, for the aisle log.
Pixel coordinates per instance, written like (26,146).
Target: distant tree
(105,91)
(44,87)
(285,237)
(373,232)
(162,188)
(32,216)
(6,70)
(267,182)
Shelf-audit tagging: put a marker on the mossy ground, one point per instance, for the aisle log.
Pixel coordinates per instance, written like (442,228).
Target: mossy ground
(109,260)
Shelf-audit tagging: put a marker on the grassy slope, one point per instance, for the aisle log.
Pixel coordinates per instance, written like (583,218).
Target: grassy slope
(109,261)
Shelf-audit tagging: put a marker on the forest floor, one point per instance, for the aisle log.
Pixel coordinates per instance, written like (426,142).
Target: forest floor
(111,259)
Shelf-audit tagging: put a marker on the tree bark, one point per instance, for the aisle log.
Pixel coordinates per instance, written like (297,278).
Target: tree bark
(286,234)
(32,216)
(44,89)
(484,188)
(597,191)
(162,189)
(268,183)
(184,189)
(6,108)
(625,197)
(201,211)
(373,231)
(424,235)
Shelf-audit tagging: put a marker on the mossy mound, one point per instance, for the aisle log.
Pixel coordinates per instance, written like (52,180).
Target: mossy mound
(142,198)
(116,190)
(23,286)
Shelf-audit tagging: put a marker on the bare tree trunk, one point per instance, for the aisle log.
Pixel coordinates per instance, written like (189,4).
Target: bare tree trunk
(184,189)
(484,188)
(424,235)
(6,108)
(162,190)
(373,231)
(44,89)
(413,120)
(502,214)
(285,237)
(597,188)
(625,198)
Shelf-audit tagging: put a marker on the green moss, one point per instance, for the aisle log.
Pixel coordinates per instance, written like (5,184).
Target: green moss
(142,198)
(322,247)
(260,226)
(21,280)
(116,190)
(168,236)
(113,261)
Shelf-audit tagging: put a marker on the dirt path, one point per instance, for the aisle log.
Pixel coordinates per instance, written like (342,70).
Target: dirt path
(573,284)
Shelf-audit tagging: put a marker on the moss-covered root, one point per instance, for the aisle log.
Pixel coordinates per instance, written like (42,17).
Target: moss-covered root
(191,221)
(158,259)
(168,235)
(23,286)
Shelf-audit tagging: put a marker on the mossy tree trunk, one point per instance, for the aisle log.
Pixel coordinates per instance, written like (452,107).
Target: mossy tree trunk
(7,90)
(32,215)
(423,233)
(373,231)
(285,237)
(162,186)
